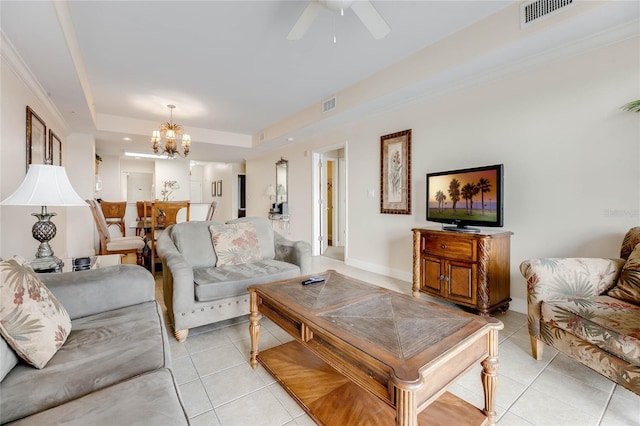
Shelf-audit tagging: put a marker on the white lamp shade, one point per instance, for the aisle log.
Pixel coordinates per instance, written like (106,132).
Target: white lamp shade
(270,191)
(45,185)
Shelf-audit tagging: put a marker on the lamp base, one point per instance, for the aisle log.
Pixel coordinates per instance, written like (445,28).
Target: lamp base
(47,264)
(44,230)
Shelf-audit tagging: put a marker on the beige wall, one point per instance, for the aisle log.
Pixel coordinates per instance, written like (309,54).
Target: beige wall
(18,91)
(571,156)
(227,207)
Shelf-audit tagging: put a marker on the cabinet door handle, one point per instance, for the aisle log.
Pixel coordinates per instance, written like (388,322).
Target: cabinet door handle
(445,278)
(444,246)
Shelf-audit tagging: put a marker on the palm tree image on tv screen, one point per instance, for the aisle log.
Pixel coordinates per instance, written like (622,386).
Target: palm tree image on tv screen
(469,196)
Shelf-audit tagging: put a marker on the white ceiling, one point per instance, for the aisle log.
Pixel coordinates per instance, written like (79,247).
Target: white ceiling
(226,65)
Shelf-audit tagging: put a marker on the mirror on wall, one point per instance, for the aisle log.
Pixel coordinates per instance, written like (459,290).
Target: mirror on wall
(282,185)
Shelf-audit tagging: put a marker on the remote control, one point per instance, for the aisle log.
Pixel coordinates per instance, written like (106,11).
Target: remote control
(312,280)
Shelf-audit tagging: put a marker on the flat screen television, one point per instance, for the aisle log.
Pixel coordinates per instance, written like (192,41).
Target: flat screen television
(466,198)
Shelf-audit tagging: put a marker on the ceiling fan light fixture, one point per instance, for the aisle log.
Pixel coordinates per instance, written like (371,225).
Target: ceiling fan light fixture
(340,5)
(364,10)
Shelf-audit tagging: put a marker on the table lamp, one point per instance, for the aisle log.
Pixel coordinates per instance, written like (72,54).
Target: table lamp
(45,185)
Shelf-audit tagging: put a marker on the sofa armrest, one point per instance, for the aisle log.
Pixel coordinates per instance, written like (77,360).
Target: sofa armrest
(565,279)
(179,286)
(296,252)
(90,292)
(177,275)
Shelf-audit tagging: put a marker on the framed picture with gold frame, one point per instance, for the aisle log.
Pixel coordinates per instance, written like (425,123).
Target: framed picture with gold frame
(214,191)
(395,173)
(55,149)
(37,148)
(219,188)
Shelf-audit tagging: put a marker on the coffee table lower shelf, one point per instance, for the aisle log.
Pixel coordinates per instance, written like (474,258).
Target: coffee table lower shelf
(330,398)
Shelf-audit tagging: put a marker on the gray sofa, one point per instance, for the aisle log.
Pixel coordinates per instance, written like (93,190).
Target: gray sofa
(114,368)
(196,292)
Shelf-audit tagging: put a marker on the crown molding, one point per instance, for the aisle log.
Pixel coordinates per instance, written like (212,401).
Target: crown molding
(12,58)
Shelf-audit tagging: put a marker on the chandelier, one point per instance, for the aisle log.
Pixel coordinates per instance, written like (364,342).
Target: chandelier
(170,131)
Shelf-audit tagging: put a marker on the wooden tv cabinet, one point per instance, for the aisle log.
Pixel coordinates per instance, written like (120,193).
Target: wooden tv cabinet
(468,269)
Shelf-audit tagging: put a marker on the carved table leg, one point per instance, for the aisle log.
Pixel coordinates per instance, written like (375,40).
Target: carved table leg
(254,326)
(415,288)
(490,378)
(406,410)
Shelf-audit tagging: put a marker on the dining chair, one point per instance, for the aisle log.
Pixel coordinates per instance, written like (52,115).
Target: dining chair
(163,214)
(212,210)
(117,245)
(113,212)
(143,209)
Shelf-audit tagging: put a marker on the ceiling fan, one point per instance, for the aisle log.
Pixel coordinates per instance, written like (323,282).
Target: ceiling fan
(362,8)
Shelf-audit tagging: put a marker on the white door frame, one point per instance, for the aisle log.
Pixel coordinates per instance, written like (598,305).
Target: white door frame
(323,205)
(340,202)
(318,203)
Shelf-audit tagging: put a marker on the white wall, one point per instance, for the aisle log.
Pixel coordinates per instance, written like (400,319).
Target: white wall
(126,167)
(571,156)
(111,189)
(227,207)
(175,170)
(197,181)
(81,232)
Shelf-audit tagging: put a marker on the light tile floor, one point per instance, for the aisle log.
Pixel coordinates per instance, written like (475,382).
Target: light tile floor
(219,387)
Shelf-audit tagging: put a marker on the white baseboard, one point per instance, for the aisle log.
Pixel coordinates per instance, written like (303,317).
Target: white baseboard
(379,269)
(518,305)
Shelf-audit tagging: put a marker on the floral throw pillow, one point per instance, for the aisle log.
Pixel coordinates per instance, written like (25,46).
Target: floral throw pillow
(235,243)
(32,320)
(628,286)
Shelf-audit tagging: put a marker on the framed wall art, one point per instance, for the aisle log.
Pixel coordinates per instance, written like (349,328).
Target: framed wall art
(214,190)
(395,173)
(37,148)
(219,188)
(55,149)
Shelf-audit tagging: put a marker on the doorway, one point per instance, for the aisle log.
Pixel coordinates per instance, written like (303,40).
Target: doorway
(330,195)
(242,195)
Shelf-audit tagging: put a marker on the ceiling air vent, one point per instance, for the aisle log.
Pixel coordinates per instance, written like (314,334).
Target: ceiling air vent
(534,10)
(329,104)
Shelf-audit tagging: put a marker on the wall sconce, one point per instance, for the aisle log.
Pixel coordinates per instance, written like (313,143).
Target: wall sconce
(270,192)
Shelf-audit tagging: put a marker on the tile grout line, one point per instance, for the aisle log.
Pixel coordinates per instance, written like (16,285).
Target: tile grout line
(606,406)
(508,409)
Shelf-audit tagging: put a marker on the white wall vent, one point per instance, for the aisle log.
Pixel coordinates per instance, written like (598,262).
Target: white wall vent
(534,10)
(329,104)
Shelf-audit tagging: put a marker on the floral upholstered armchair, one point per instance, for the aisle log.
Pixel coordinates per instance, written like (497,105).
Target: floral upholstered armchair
(589,309)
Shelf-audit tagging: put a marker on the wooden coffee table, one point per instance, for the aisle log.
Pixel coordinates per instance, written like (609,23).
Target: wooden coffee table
(367,355)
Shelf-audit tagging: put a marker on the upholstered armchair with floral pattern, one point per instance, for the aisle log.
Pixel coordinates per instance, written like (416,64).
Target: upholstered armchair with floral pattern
(583,308)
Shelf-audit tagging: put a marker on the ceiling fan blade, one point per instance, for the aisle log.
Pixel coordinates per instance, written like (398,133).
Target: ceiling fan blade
(371,18)
(305,20)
